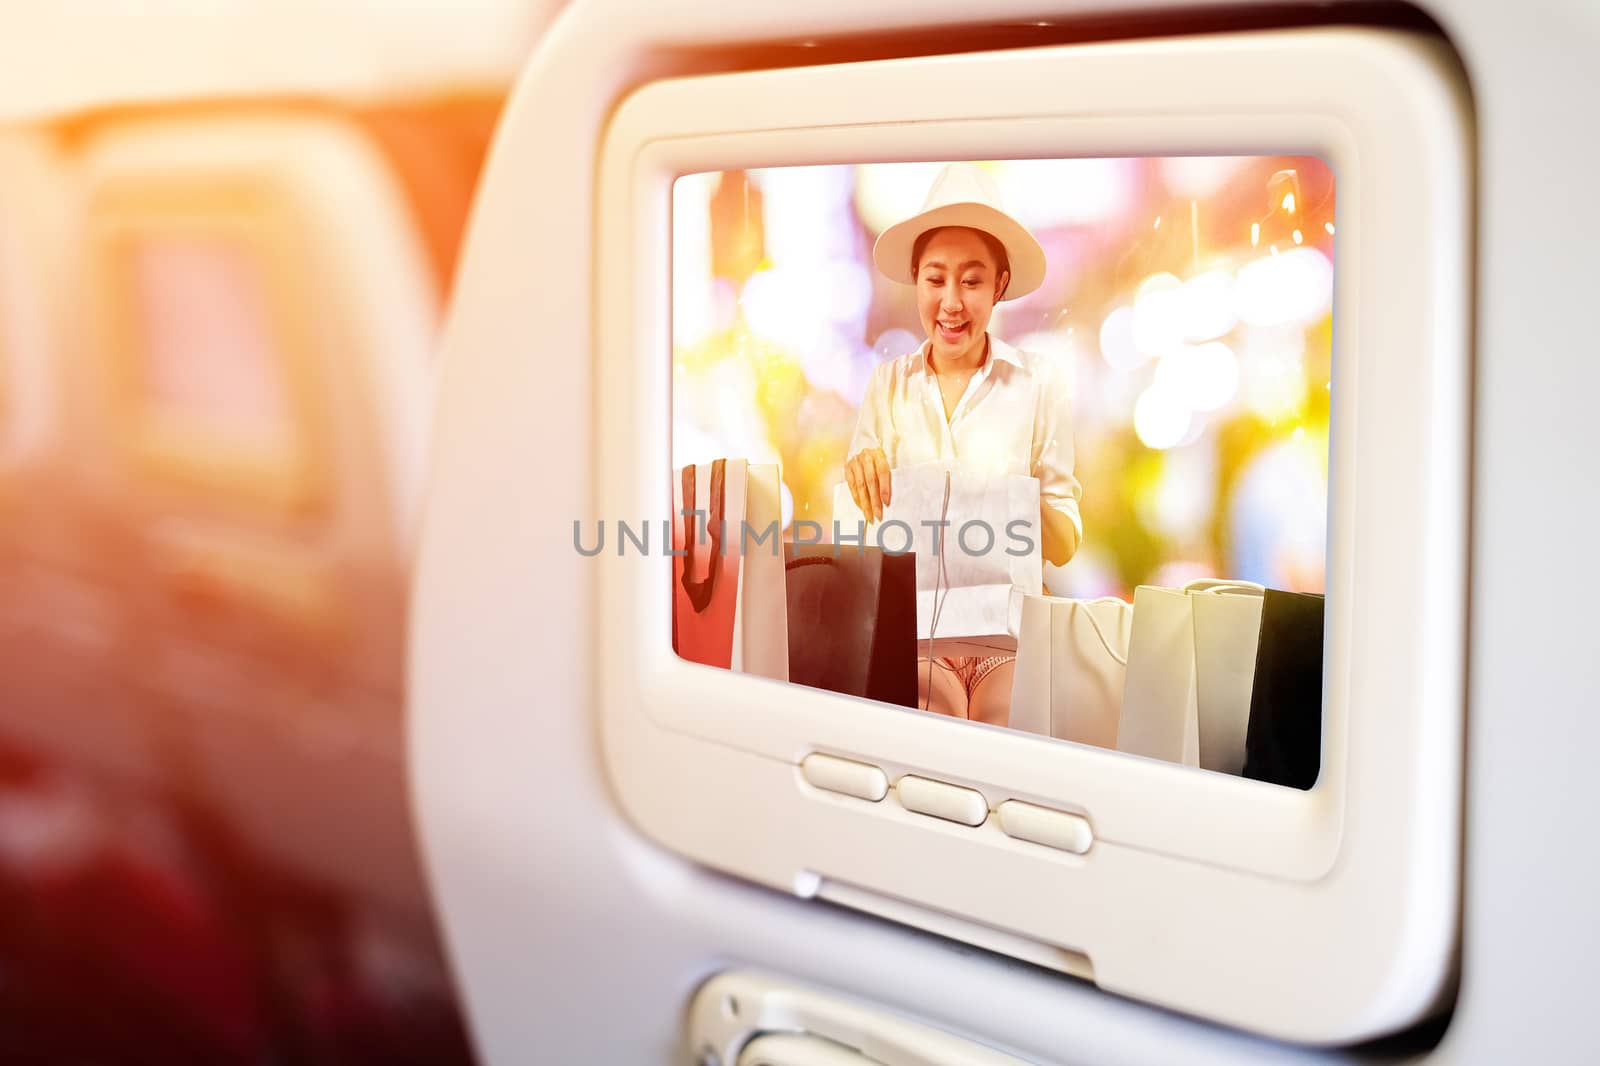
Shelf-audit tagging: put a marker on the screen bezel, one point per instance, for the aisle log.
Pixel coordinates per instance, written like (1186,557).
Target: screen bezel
(1224,814)
(1384,813)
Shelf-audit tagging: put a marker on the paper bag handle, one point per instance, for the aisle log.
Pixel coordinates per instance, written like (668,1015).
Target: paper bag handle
(1105,642)
(699,592)
(808,560)
(1213,584)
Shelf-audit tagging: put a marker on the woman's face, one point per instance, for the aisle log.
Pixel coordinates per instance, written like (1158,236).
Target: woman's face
(956,290)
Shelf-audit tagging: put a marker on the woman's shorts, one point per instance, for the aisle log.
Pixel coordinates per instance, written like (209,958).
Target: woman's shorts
(971,670)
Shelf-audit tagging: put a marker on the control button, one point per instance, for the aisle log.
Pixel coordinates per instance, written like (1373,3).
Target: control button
(833,774)
(1041,825)
(950,802)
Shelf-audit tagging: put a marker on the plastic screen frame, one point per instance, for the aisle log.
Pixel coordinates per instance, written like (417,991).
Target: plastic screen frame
(1320,916)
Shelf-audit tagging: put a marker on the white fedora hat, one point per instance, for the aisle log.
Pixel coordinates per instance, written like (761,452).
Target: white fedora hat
(963,195)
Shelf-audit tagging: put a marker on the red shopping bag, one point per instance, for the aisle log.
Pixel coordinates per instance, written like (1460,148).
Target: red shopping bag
(728,606)
(705,573)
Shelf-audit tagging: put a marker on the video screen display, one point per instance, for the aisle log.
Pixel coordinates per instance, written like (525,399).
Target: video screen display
(1041,444)
(209,360)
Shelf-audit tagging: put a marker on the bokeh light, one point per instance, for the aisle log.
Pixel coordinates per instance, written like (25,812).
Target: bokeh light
(1294,288)
(1183,503)
(888,192)
(1161,417)
(893,343)
(1198,177)
(1116,341)
(1207,306)
(1274,381)
(1052,192)
(693,309)
(797,306)
(1205,375)
(1158,314)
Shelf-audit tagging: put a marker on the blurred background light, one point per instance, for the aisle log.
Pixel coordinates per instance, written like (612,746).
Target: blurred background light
(1183,502)
(1176,573)
(1206,375)
(805,213)
(692,445)
(1207,306)
(893,343)
(1161,417)
(1158,314)
(849,291)
(832,365)
(1198,177)
(799,306)
(1117,346)
(1043,193)
(1294,288)
(693,308)
(1273,373)
(886,193)
(788,306)
(1278,519)
(1057,344)
(1091,574)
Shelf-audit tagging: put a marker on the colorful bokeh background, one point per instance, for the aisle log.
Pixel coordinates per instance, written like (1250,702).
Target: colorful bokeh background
(1189,300)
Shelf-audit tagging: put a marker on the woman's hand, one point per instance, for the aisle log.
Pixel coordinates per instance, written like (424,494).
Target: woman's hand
(867,474)
(1060,536)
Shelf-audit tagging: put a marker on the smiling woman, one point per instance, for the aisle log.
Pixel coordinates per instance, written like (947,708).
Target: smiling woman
(964,395)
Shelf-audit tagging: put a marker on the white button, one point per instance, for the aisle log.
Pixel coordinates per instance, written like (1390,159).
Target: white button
(950,802)
(833,774)
(1041,825)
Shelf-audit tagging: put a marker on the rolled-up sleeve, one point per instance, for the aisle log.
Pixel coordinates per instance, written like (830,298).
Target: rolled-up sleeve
(873,425)
(1052,443)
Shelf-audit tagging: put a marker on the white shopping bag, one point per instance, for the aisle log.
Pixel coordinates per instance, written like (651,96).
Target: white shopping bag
(1187,695)
(976,539)
(1227,629)
(1072,663)
(761,616)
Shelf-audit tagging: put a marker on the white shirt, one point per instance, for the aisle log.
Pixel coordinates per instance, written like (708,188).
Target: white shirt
(1014,419)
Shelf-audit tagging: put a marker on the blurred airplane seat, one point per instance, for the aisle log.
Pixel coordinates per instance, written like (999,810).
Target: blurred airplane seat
(258,381)
(436,149)
(64,619)
(216,336)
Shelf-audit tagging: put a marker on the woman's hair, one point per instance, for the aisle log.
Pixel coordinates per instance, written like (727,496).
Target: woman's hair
(1002,262)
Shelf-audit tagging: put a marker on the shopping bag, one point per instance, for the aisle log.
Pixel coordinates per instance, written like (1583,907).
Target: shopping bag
(1284,741)
(975,539)
(1072,664)
(852,621)
(761,620)
(1227,622)
(1159,717)
(1186,699)
(728,600)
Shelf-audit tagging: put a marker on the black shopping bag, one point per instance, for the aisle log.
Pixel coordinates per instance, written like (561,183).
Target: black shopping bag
(1283,743)
(853,621)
